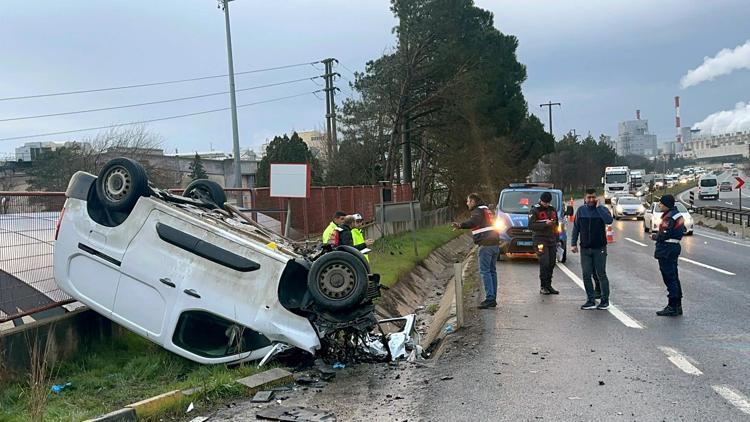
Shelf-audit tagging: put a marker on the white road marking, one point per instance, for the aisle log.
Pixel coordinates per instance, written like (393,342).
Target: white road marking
(626,319)
(718,270)
(680,361)
(723,240)
(732,396)
(636,242)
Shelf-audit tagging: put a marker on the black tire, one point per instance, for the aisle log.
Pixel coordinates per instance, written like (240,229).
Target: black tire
(337,281)
(562,257)
(207,191)
(120,183)
(354,251)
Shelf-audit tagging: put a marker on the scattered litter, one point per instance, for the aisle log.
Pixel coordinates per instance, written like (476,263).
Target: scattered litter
(339,365)
(448,328)
(534,353)
(327,376)
(303,380)
(190,408)
(498,373)
(263,396)
(446,378)
(601,382)
(200,419)
(296,414)
(59,387)
(619,413)
(574,398)
(533,372)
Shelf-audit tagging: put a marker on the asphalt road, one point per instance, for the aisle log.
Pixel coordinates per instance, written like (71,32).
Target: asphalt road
(541,358)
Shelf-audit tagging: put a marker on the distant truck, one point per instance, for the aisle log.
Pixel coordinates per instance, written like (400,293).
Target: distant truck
(616,181)
(637,180)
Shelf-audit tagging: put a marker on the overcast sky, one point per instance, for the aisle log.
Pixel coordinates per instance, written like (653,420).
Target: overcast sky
(601,60)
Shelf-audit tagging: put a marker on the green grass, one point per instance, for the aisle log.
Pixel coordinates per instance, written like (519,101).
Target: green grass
(393,256)
(126,370)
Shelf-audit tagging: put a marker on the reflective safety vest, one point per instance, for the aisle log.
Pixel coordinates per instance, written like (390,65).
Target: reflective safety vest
(489,221)
(359,238)
(329,231)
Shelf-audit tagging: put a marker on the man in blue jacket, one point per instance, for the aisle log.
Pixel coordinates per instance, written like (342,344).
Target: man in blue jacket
(591,224)
(667,251)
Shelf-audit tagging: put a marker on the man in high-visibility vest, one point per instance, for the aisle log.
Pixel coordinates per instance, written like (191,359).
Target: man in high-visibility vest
(358,236)
(338,219)
(487,238)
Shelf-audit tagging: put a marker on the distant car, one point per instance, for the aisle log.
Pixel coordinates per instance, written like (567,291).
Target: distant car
(628,207)
(735,173)
(725,186)
(708,187)
(652,218)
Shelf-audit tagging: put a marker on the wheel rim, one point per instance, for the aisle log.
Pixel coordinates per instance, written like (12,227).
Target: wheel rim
(201,194)
(117,183)
(337,280)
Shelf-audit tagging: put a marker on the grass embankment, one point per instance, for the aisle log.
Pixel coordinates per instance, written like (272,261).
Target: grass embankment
(393,256)
(126,370)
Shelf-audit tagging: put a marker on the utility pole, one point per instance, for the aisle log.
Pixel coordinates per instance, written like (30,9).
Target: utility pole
(330,89)
(549,106)
(224,4)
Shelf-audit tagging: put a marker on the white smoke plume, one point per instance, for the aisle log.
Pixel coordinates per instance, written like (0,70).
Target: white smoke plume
(727,121)
(724,63)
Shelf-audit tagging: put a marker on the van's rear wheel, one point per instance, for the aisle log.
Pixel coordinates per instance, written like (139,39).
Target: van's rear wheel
(337,281)
(207,191)
(120,183)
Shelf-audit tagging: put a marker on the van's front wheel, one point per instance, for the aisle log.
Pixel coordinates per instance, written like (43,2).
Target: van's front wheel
(120,183)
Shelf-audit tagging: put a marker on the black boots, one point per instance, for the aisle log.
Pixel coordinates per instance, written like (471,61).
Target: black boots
(487,303)
(548,290)
(674,308)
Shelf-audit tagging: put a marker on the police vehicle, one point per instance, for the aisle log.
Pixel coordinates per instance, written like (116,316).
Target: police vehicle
(512,218)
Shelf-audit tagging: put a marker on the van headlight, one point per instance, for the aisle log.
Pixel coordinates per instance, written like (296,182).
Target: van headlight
(500,226)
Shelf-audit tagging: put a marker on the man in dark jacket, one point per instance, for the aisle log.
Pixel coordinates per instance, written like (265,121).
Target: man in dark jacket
(486,236)
(667,250)
(345,234)
(591,224)
(544,225)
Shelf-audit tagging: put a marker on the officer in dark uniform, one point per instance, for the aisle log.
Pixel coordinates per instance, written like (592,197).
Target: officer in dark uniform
(544,224)
(671,230)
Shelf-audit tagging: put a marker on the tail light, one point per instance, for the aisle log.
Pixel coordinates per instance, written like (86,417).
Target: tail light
(59,220)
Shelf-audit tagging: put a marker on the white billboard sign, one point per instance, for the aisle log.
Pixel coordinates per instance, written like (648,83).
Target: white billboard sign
(290,180)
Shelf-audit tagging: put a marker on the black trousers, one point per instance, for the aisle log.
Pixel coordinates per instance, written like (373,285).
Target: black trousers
(547,260)
(668,268)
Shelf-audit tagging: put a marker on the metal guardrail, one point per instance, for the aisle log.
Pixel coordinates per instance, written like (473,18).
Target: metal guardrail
(726,214)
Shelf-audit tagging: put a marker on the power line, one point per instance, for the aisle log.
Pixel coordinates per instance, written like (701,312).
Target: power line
(67,113)
(177,81)
(179,116)
(350,71)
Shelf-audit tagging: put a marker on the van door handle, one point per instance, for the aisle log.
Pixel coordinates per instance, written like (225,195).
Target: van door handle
(168,282)
(192,293)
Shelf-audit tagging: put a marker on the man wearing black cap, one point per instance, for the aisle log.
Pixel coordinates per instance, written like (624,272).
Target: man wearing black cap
(544,224)
(671,230)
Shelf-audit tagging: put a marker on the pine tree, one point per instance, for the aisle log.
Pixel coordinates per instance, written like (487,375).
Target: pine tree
(196,168)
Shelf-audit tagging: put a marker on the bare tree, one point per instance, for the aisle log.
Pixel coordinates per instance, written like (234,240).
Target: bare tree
(53,169)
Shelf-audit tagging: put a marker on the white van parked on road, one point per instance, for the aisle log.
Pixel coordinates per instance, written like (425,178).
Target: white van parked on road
(708,187)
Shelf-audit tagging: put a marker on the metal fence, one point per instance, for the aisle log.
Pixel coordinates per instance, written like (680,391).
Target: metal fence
(27,229)
(28,221)
(726,214)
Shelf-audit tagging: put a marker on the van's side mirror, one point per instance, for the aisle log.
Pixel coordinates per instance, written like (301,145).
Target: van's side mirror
(569,211)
